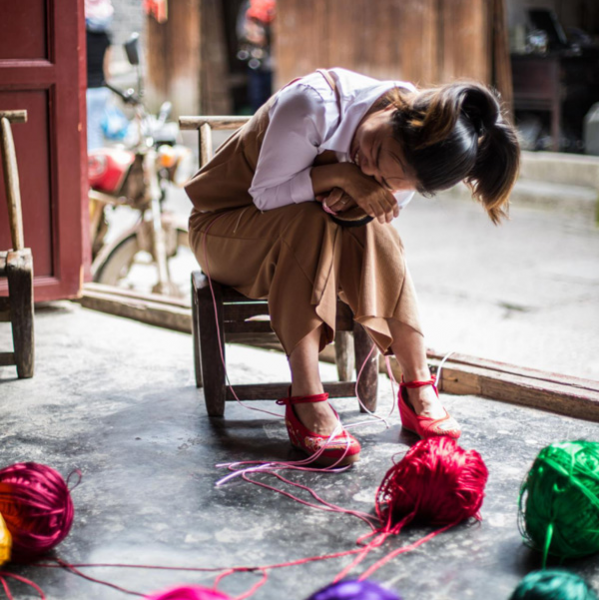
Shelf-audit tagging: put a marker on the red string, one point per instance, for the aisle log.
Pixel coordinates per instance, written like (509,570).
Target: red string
(74,570)
(30,583)
(6,588)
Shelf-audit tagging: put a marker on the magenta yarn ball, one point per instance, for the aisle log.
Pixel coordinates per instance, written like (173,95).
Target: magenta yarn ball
(37,508)
(188,592)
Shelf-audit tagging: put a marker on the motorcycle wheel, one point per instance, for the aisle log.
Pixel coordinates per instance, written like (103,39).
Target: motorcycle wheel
(129,266)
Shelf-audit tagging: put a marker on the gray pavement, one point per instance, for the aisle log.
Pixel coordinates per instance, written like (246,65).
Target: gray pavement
(526,292)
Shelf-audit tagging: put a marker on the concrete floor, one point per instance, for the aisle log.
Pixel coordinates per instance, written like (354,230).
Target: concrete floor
(117,400)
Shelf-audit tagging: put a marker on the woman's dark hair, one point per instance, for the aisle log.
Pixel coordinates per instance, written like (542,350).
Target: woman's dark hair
(457,132)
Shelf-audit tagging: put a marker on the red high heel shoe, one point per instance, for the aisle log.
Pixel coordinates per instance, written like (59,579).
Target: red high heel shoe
(341,450)
(425,427)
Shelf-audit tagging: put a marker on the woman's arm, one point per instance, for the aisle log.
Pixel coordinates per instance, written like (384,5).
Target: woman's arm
(367,193)
(290,146)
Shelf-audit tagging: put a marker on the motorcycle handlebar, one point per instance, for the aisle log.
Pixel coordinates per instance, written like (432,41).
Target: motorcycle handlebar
(129,97)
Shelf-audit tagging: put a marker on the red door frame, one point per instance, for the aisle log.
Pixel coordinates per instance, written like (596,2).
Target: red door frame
(61,75)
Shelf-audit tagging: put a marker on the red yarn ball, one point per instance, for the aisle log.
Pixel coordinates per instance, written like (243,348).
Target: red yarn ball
(436,481)
(37,507)
(188,592)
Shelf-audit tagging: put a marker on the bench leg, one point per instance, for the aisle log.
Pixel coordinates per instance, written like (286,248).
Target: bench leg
(195,326)
(344,355)
(213,370)
(368,384)
(19,272)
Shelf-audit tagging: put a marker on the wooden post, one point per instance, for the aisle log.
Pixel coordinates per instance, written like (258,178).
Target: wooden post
(344,355)
(11,182)
(19,271)
(214,83)
(368,383)
(213,369)
(502,66)
(205,144)
(196,279)
(173,58)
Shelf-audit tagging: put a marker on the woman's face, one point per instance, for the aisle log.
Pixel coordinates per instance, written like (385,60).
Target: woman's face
(378,155)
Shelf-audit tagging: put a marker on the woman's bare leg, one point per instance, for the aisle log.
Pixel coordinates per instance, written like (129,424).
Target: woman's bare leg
(410,352)
(305,377)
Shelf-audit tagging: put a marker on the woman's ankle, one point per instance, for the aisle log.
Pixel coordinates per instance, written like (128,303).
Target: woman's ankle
(302,388)
(318,418)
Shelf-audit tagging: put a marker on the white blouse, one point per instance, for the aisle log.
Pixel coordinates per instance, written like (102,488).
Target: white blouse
(304,122)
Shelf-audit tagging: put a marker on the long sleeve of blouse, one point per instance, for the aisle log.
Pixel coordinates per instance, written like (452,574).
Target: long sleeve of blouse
(304,121)
(290,146)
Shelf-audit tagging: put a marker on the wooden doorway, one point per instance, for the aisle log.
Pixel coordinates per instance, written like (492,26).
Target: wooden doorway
(42,70)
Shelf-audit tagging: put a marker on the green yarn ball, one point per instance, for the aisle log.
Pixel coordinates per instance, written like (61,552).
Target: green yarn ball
(553,585)
(559,501)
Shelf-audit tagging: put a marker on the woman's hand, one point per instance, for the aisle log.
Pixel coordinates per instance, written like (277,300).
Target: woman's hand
(359,190)
(370,195)
(337,200)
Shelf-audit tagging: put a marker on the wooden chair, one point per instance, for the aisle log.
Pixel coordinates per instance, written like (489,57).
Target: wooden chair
(17,263)
(236,315)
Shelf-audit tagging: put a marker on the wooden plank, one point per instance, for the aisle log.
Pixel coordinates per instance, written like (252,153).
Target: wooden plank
(240,312)
(7,359)
(248,327)
(268,341)
(217,123)
(160,314)
(532,374)
(274,391)
(117,292)
(516,389)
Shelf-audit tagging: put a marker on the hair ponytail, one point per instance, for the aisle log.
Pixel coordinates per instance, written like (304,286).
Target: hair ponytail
(456,133)
(496,169)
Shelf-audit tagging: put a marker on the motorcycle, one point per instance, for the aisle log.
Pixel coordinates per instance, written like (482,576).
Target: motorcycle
(139,177)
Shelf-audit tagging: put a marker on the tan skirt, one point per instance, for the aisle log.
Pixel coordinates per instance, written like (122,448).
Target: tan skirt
(299,259)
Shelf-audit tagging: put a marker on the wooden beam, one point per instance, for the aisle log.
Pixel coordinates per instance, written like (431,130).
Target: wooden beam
(216,123)
(14,116)
(461,374)
(147,309)
(274,391)
(7,359)
(468,375)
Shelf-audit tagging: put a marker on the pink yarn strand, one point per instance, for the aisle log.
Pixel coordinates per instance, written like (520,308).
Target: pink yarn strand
(30,583)
(6,588)
(391,555)
(75,571)
(255,587)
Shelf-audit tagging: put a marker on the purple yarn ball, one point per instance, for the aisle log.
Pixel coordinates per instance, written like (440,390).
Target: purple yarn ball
(188,592)
(354,590)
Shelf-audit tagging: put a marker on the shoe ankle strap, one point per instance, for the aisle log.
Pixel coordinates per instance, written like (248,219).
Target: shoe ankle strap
(303,399)
(417,384)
